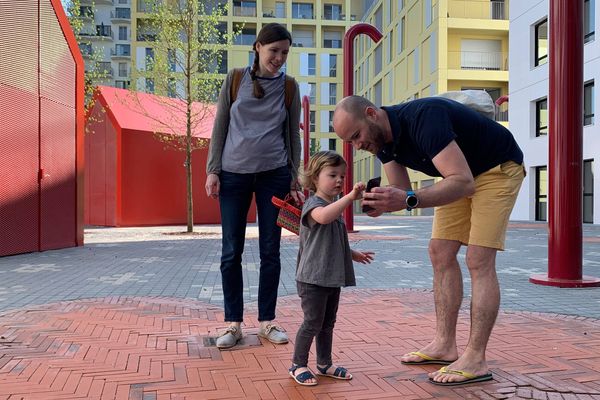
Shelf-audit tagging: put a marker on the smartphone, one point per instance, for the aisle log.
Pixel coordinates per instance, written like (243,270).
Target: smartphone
(374,182)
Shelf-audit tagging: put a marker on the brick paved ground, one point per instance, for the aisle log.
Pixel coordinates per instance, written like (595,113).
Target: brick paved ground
(132,313)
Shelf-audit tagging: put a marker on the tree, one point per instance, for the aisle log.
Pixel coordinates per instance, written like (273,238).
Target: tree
(96,70)
(184,64)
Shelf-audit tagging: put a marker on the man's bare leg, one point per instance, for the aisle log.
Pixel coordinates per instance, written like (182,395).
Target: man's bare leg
(485,302)
(448,295)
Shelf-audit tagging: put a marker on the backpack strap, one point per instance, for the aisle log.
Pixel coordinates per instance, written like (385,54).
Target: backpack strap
(290,91)
(238,73)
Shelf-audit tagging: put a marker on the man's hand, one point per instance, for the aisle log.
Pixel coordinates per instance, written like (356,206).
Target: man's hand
(384,199)
(212,186)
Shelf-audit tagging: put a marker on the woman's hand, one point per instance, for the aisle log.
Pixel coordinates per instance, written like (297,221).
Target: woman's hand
(296,192)
(212,186)
(363,257)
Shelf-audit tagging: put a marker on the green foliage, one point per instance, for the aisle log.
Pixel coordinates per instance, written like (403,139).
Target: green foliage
(187,50)
(96,71)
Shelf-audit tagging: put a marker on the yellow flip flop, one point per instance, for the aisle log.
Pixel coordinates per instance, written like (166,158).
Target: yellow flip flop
(425,359)
(470,378)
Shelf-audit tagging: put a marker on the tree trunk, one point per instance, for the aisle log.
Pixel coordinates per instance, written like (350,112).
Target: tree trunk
(188,149)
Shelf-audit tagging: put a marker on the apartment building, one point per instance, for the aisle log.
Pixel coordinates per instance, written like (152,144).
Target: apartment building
(119,31)
(107,34)
(428,47)
(529,106)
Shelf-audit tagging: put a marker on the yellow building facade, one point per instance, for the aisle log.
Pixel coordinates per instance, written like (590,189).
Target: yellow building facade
(315,59)
(429,47)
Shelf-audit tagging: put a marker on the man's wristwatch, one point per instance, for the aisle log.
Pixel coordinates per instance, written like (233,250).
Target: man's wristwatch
(412,201)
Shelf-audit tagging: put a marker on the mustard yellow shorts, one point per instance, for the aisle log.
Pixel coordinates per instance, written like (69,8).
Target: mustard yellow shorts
(482,219)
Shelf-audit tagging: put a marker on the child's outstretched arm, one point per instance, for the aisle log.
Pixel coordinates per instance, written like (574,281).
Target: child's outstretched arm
(329,213)
(363,257)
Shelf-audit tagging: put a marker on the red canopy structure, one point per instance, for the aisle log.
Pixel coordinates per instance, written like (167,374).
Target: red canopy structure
(132,176)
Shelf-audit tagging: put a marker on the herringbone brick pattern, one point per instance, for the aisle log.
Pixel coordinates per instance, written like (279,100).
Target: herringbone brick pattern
(161,348)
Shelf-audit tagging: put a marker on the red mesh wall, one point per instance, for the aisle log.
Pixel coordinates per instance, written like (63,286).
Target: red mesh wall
(19,153)
(57,139)
(153,184)
(37,129)
(100,170)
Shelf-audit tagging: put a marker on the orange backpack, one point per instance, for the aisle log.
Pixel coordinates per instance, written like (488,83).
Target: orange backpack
(238,73)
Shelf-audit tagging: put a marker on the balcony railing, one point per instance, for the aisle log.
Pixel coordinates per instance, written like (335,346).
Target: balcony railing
(241,11)
(478,9)
(273,13)
(478,60)
(121,13)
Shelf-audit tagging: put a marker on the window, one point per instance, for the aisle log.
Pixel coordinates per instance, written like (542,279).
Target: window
(123,50)
(247,36)
(123,33)
(244,8)
(172,59)
(172,88)
(312,64)
(218,37)
(223,62)
(589,26)
(332,144)
(122,84)
(541,193)
(331,122)
(588,191)
(149,85)
(122,13)
(541,43)
(302,10)
(333,65)
(149,58)
(541,117)
(313,93)
(312,116)
(588,103)
(333,94)
(122,69)
(400,42)
(333,11)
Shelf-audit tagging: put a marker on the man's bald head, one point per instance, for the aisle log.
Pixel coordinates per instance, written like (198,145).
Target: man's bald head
(353,105)
(356,121)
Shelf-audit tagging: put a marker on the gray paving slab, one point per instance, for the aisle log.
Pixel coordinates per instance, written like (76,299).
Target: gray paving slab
(156,261)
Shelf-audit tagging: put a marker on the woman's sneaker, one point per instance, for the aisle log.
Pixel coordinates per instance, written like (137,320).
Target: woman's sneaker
(273,333)
(229,338)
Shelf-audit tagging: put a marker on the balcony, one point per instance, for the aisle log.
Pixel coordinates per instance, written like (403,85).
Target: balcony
(122,51)
(244,11)
(478,9)
(121,15)
(104,69)
(477,60)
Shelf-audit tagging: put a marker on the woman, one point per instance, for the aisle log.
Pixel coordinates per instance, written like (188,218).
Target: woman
(255,149)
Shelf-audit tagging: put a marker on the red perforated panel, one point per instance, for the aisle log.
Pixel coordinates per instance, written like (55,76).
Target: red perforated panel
(18,127)
(57,139)
(18,171)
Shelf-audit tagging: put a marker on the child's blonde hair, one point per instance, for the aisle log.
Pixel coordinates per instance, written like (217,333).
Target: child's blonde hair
(317,162)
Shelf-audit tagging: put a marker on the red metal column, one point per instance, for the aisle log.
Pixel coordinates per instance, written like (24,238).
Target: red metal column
(566,148)
(306,131)
(348,50)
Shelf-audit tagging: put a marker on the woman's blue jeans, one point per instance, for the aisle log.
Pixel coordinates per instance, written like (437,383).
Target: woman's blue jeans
(235,196)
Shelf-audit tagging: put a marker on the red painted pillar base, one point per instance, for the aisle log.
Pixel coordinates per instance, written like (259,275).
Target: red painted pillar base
(585,281)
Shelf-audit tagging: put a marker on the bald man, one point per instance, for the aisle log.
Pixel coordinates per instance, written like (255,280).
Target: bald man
(481,167)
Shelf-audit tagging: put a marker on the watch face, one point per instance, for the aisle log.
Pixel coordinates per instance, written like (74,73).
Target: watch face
(412,201)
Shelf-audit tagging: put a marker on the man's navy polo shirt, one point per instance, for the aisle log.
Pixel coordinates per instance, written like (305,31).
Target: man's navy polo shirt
(422,128)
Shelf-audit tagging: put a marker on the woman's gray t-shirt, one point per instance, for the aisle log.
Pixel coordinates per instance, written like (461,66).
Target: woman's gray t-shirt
(255,141)
(324,257)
